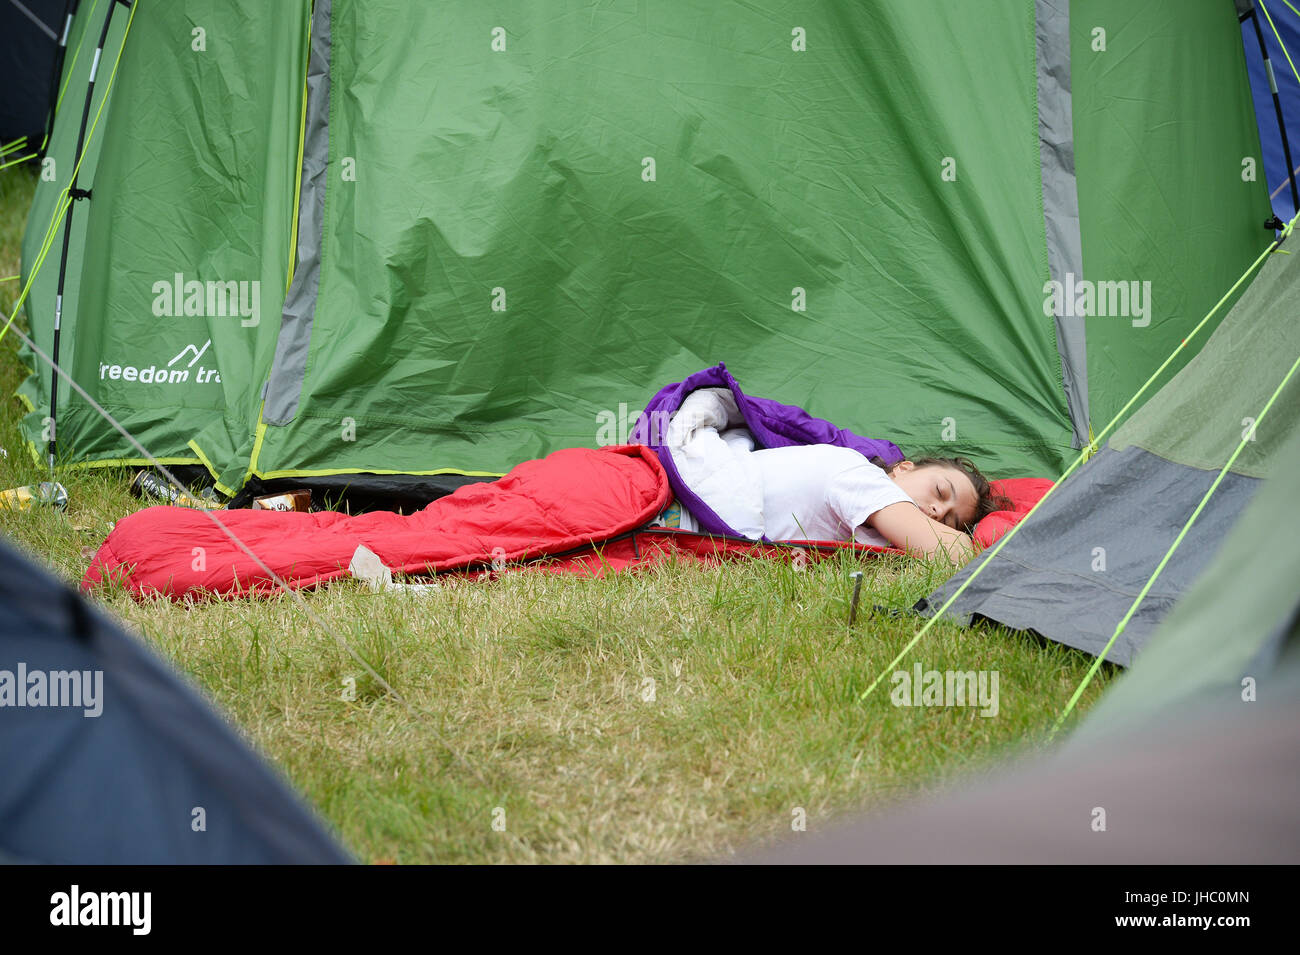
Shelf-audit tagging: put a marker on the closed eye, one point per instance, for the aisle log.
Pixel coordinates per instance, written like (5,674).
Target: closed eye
(949,519)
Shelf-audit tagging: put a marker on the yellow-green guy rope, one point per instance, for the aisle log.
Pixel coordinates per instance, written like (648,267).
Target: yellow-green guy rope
(14,162)
(1096,664)
(1083,455)
(60,208)
(62,202)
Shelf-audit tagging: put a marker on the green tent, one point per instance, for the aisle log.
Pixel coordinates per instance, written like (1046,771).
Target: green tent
(374,240)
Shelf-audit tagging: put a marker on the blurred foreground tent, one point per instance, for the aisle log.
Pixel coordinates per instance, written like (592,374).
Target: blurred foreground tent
(404,246)
(136,768)
(1195,787)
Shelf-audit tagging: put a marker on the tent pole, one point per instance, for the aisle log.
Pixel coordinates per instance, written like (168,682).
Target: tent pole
(75,194)
(1277,108)
(60,55)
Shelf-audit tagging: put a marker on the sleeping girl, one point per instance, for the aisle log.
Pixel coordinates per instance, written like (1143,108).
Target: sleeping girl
(821,491)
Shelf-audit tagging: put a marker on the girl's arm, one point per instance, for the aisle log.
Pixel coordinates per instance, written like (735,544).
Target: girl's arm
(905,526)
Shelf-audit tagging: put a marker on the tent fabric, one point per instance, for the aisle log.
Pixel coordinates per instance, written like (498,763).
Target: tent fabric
(560,219)
(1130,64)
(192,170)
(1075,568)
(1198,786)
(289,366)
(123,786)
(498,268)
(1061,198)
(1200,417)
(1241,619)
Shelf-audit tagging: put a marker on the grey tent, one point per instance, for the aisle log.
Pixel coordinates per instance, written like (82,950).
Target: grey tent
(1076,566)
(132,767)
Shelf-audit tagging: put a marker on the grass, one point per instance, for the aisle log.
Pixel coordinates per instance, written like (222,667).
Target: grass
(528,699)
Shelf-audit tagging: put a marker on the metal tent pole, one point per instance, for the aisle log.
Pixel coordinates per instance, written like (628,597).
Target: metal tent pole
(75,194)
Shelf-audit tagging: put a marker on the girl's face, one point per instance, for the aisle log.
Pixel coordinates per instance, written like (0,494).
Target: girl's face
(945,494)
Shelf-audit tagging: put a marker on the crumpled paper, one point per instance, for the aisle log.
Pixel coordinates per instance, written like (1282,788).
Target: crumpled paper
(367,566)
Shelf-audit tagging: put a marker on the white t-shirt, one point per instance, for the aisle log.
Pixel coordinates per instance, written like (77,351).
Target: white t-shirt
(823,492)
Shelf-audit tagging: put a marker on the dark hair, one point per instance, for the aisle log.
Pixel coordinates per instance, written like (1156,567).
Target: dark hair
(987,502)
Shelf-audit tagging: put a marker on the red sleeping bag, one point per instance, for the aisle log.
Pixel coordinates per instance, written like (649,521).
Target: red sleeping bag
(566,500)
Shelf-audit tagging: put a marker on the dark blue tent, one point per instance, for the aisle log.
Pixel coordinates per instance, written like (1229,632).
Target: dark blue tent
(1255,27)
(132,767)
(31,58)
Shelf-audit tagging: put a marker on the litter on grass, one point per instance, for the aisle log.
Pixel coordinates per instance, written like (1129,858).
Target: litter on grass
(367,566)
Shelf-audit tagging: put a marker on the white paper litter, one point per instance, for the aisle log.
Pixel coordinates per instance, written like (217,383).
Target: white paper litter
(367,566)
